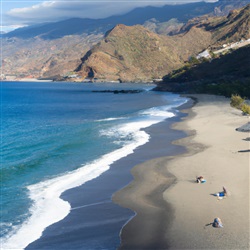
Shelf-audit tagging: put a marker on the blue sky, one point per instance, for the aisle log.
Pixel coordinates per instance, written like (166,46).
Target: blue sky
(20,13)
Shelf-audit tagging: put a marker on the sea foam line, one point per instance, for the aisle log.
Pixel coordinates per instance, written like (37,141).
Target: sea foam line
(90,205)
(48,208)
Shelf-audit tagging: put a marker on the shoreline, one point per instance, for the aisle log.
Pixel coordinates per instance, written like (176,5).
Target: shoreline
(93,215)
(166,197)
(143,195)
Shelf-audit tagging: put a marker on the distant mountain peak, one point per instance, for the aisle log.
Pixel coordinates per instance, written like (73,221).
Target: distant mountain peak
(76,26)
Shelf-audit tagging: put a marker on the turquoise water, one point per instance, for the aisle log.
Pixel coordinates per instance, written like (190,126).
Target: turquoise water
(59,135)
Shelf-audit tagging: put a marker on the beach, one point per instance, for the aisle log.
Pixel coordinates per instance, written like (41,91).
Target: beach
(175,212)
(95,221)
(80,152)
(138,194)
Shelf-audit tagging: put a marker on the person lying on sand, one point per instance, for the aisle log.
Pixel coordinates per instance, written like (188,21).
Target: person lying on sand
(222,194)
(200,179)
(217,222)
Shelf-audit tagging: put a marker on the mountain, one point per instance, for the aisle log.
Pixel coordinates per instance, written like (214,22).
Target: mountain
(171,27)
(52,49)
(133,53)
(136,54)
(44,58)
(226,75)
(223,7)
(233,27)
(225,29)
(77,26)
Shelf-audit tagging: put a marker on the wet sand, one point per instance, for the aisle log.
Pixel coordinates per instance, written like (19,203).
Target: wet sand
(173,211)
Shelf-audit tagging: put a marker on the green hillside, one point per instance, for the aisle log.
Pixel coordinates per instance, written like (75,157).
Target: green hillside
(226,75)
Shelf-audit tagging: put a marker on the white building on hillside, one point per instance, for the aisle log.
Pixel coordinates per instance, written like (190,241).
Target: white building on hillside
(204,54)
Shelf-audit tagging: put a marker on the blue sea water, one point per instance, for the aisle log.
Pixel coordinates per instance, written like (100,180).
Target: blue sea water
(55,136)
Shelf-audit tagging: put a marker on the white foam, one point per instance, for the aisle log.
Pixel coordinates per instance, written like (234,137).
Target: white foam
(111,119)
(48,208)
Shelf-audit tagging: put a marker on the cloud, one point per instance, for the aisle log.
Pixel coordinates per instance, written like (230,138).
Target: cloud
(49,11)
(5,29)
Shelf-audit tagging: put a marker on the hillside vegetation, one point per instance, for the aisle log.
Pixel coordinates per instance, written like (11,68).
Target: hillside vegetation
(238,102)
(226,75)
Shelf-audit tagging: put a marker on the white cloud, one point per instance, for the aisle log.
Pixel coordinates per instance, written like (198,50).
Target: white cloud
(49,11)
(8,28)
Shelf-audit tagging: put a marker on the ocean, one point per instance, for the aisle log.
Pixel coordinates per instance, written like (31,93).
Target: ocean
(59,136)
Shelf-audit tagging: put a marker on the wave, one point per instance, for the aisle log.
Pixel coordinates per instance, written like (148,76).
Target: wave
(46,195)
(110,119)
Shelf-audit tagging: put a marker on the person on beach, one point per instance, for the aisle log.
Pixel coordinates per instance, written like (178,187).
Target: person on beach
(222,194)
(225,191)
(217,223)
(200,179)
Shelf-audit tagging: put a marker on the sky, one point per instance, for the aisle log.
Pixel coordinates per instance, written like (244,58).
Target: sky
(18,13)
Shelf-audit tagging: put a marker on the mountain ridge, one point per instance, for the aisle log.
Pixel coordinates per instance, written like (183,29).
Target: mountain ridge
(182,12)
(59,56)
(133,53)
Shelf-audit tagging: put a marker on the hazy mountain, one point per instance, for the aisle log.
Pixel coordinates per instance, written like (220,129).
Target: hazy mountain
(45,58)
(77,26)
(223,7)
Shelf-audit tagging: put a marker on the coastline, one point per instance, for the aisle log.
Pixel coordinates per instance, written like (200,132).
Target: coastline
(94,221)
(174,212)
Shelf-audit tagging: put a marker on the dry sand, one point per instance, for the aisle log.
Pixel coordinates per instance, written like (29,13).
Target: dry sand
(173,211)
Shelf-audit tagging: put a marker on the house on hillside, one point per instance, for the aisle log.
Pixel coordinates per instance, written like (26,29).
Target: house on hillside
(204,54)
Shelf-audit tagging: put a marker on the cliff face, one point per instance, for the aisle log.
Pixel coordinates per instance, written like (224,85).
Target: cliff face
(136,54)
